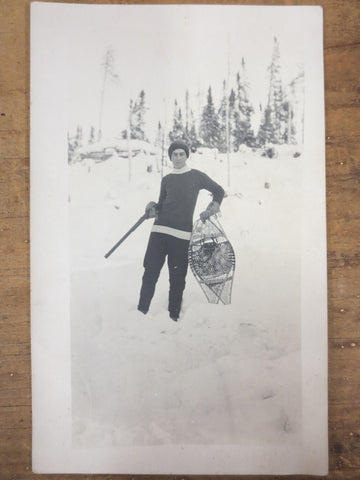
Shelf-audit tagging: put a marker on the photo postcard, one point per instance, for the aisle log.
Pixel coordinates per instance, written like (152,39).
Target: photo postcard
(178,239)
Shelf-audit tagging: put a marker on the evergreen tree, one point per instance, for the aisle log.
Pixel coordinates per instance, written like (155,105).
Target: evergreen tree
(159,135)
(223,115)
(187,113)
(232,118)
(287,129)
(294,107)
(190,125)
(74,143)
(265,133)
(224,111)
(71,148)
(210,125)
(137,118)
(92,136)
(192,135)
(243,133)
(79,137)
(124,133)
(178,130)
(109,75)
(272,128)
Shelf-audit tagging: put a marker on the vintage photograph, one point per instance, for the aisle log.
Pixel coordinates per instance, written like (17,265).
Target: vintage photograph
(166,112)
(184,133)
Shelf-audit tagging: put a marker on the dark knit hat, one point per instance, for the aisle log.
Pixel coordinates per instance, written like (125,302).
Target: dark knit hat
(176,145)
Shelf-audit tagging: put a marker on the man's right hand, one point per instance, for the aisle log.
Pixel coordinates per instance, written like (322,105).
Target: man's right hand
(150,210)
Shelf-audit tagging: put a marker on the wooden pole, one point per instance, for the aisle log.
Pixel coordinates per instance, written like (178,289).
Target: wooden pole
(102,104)
(227,115)
(134,227)
(128,133)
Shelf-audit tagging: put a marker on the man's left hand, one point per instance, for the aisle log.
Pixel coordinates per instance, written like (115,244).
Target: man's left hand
(211,209)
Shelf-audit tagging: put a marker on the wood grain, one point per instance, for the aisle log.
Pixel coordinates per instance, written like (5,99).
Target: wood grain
(342,96)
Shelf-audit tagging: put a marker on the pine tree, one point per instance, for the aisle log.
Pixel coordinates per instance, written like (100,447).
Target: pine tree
(275,93)
(79,136)
(192,136)
(159,135)
(287,130)
(178,130)
(92,136)
(187,113)
(243,133)
(137,118)
(224,111)
(74,143)
(265,133)
(272,127)
(190,131)
(223,119)
(296,92)
(71,148)
(232,118)
(128,129)
(109,75)
(210,126)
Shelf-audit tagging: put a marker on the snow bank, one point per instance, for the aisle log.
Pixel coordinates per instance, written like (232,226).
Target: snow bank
(222,374)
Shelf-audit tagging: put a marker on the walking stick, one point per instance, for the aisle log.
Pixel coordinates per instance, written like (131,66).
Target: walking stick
(134,227)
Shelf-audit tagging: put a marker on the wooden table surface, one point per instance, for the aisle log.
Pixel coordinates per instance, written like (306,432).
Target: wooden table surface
(342,96)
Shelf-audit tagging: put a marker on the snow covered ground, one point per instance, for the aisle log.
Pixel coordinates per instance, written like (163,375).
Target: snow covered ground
(222,374)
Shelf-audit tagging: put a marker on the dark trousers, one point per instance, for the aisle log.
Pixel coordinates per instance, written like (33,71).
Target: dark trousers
(161,245)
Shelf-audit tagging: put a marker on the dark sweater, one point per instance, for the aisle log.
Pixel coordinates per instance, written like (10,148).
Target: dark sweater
(178,196)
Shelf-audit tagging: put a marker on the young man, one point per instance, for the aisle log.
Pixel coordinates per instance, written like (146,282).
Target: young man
(171,232)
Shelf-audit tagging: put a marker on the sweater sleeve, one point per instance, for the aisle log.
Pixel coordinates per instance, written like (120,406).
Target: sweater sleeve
(162,195)
(213,187)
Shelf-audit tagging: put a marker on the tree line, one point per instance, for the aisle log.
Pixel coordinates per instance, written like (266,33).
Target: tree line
(230,124)
(226,126)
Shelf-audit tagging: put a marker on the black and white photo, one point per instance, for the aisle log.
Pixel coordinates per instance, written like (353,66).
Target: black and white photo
(179,245)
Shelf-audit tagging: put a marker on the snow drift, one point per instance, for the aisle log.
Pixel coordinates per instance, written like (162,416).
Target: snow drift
(224,374)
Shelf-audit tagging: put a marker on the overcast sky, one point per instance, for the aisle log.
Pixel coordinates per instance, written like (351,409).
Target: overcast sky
(165,50)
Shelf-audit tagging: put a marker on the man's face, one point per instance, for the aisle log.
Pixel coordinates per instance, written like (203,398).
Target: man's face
(178,158)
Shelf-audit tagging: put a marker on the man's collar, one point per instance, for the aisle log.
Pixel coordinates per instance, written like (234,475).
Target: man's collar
(177,171)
